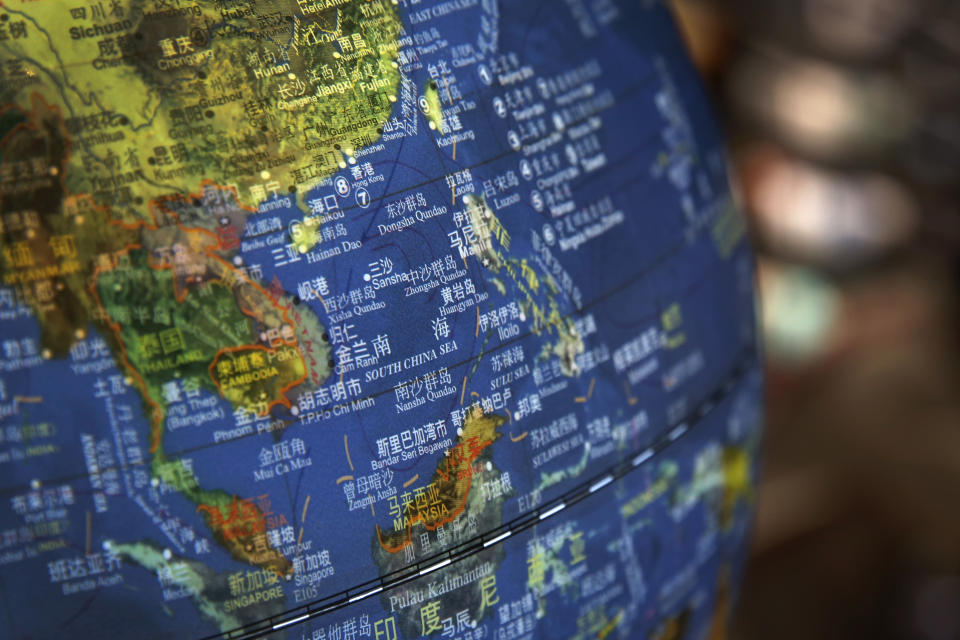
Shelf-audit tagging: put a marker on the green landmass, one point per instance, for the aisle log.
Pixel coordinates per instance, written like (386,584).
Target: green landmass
(208,590)
(538,290)
(266,95)
(432,107)
(131,165)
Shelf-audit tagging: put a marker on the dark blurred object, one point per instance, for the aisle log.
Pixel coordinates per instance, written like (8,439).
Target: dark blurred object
(858,100)
(844,123)
(814,213)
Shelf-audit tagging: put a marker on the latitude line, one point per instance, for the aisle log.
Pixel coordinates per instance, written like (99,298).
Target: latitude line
(629,282)
(637,459)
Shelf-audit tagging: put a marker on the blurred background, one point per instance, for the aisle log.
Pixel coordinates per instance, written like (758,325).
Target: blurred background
(843,118)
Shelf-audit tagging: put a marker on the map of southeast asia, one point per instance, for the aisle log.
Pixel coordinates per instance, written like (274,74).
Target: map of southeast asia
(349,319)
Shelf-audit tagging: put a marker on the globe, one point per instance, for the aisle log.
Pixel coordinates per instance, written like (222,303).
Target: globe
(348,319)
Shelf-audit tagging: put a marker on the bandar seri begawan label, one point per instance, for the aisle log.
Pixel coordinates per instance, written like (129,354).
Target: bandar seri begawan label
(348,319)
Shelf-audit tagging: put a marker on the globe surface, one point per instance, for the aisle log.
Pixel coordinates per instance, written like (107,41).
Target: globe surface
(343,319)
